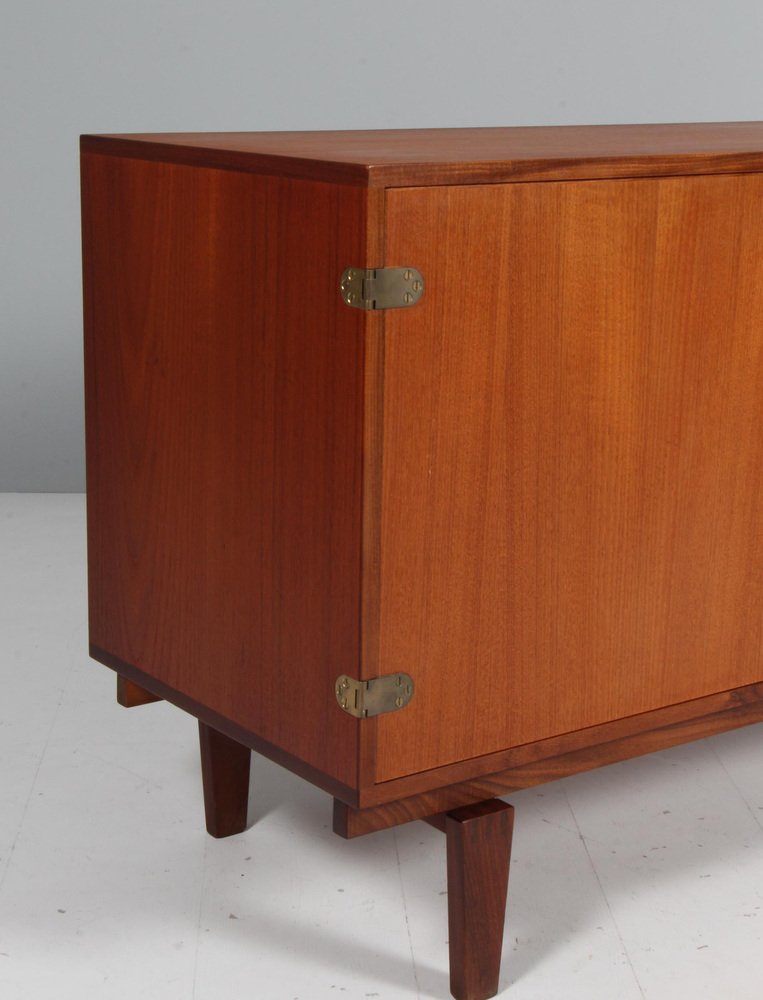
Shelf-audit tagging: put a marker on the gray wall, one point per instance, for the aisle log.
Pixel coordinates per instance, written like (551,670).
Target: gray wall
(165,65)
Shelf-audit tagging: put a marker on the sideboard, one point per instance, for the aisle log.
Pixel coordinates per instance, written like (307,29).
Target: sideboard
(428,463)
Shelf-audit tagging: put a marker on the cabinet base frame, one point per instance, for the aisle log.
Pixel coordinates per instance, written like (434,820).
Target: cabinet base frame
(747,708)
(478,849)
(377,807)
(477,825)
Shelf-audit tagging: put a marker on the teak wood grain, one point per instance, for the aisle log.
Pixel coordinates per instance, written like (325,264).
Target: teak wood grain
(428,794)
(403,157)
(538,490)
(737,707)
(573,462)
(225,725)
(224,434)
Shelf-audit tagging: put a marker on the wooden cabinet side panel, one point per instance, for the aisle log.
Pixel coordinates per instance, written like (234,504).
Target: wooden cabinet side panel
(573,458)
(224,433)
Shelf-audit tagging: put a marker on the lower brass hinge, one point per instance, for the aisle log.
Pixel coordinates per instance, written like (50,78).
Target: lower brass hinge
(381,287)
(364,699)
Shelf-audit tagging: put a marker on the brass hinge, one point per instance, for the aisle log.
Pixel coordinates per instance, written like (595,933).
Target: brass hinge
(364,699)
(381,287)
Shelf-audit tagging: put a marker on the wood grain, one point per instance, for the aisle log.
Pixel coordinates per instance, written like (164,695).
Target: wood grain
(225,766)
(405,157)
(727,705)
(573,463)
(543,480)
(228,727)
(373,429)
(224,434)
(540,763)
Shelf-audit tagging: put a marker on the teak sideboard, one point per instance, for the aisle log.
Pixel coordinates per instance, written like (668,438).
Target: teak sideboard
(428,463)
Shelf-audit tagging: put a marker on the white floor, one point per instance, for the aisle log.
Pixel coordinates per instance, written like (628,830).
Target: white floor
(644,879)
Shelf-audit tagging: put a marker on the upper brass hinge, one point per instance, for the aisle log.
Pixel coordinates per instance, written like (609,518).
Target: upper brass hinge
(364,699)
(381,287)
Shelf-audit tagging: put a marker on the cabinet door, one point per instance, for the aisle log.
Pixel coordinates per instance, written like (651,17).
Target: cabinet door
(571,485)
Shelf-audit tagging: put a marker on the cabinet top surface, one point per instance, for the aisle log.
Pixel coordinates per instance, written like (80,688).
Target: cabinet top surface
(411,157)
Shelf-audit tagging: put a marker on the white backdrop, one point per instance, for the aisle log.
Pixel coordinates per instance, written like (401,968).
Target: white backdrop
(167,65)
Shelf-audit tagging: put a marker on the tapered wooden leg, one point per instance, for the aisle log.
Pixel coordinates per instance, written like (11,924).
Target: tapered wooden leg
(130,694)
(225,776)
(479,849)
